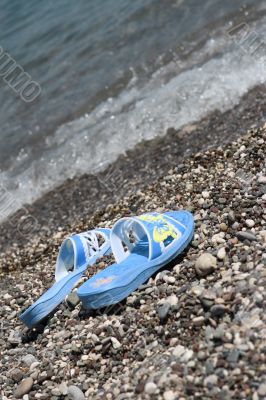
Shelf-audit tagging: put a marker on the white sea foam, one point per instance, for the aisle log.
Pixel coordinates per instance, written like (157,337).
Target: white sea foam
(90,143)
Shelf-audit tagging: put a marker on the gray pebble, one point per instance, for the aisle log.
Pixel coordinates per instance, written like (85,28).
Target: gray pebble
(163,311)
(74,393)
(72,300)
(14,338)
(242,235)
(233,356)
(29,359)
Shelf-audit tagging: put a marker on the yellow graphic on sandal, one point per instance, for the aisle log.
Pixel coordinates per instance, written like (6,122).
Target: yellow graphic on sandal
(162,229)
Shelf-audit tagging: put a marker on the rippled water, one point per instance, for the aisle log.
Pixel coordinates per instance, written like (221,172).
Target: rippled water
(113,72)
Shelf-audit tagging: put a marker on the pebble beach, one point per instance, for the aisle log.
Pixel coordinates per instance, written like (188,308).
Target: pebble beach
(195,330)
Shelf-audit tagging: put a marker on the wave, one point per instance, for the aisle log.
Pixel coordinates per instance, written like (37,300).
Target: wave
(179,93)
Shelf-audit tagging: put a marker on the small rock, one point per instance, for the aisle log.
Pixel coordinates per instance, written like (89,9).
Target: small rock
(56,392)
(23,388)
(218,238)
(223,227)
(218,333)
(172,300)
(72,300)
(262,179)
(242,235)
(211,380)
(262,390)
(218,310)
(250,223)
(16,374)
(150,388)
(115,343)
(14,338)
(235,225)
(231,217)
(198,321)
(179,351)
(197,290)
(205,194)
(209,294)
(221,254)
(75,349)
(29,359)
(222,200)
(163,311)
(63,388)
(34,365)
(202,356)
(233,356)
(169,279)
(187,356)
(169,395)
(263,235)
(258,298)
(205,264)
(74,393)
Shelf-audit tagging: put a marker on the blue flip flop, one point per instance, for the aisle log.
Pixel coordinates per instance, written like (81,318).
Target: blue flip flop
(141,246)
(76,253)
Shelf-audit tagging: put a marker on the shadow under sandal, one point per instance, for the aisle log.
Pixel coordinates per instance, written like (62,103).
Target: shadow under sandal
(141,246)
(77,252)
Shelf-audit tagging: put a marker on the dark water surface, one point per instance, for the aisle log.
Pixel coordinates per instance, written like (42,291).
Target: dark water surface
(113,72)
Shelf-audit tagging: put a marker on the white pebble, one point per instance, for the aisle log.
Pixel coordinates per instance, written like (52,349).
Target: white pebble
(172,300)
(262,179)
(115,343)
(221,254)
(169,395)
(205,264)
(250,223)
(150,387)
(179,351)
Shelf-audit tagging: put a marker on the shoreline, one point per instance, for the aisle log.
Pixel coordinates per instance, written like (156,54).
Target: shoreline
(203,326)
(77,199)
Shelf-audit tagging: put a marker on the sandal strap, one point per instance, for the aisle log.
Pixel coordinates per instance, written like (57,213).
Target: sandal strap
(156,230)
(76,251)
